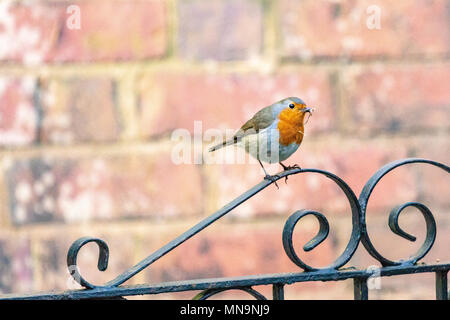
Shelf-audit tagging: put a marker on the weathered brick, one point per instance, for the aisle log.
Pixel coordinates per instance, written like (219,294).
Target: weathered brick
(39,32)
(395,98)
(406,28)
(170,101)
(220,30)
(78,110)
(18,115)
(16,269)
(29,31)
(108,33)
(108,187)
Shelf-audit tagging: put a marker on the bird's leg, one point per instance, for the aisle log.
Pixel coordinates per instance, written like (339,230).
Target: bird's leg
(285,168)
(269,177)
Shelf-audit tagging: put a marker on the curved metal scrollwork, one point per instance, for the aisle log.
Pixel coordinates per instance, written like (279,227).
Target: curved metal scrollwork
(324,228)
(288,231)
(359,230)
(393,217)
(205,294)
(73,254)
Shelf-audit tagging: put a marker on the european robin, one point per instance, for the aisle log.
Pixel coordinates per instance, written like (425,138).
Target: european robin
(273,134)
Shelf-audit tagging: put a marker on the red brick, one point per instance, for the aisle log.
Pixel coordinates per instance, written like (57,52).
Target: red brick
(122,30)
(353,162)
(170,101)
(16,273)
(221,30)
(40,33)
(394,98)
(78,110)
(29,30)
(18,115)
(406,28)
(102,188)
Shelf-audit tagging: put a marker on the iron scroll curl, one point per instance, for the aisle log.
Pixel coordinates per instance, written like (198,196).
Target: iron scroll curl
(395,213)
(73,254)
(324,228)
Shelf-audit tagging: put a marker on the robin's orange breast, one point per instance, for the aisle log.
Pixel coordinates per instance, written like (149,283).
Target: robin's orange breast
(290,127)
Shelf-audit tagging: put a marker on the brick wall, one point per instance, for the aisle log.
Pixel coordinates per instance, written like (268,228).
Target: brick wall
(86,117)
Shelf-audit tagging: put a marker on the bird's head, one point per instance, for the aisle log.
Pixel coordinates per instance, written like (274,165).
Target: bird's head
(294,109)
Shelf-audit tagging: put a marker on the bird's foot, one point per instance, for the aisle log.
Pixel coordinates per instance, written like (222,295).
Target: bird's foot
(272,179)
(286,168)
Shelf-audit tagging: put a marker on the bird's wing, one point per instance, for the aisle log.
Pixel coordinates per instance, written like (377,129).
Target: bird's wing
(261,120)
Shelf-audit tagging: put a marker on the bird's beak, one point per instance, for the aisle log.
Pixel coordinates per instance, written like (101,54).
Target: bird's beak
(310,110)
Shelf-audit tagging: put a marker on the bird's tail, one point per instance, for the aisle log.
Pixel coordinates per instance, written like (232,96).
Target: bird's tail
(223,144)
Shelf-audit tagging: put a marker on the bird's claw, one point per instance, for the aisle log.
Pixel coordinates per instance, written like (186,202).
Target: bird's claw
(286,168)
(272,179)
(295,166)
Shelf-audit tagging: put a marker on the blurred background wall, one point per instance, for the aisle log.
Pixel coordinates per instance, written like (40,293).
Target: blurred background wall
(88,105)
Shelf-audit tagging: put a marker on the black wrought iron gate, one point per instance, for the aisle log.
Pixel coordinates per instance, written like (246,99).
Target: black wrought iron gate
(333,272)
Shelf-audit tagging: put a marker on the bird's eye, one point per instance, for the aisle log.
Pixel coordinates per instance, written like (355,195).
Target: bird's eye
(292,106)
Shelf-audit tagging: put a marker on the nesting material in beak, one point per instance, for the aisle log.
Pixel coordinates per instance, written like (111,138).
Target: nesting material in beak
(310,111)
